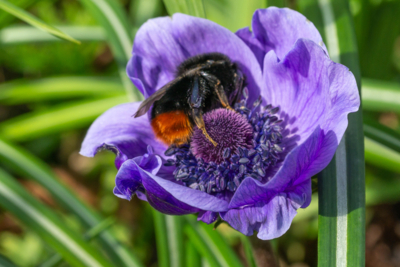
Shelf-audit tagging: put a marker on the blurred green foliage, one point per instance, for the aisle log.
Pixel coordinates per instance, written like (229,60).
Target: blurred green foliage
(84,80)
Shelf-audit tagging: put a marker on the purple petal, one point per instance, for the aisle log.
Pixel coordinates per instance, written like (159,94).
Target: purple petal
(171,193)
(120,194)
(300,164)
(129,179)
(164,195)
(255,45)
(127,183)
(151,163)
(278,30)
(207,216)
(162,44)
(118,131)
(315,96)
(141,196)
(164,202)
(271,218)
(310,89)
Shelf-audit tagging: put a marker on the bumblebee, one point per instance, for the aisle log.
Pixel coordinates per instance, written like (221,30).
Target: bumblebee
(201,83)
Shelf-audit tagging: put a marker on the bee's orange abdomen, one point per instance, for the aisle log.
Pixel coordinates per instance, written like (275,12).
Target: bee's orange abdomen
(172,127)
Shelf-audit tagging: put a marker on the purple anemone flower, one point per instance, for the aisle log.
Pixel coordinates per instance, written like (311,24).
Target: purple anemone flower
(285,128)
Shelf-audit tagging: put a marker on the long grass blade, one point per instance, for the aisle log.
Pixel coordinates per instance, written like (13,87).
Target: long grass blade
(233,14)
(5,262)
(56,119)
(248,250)
(380,95)
(161,238)
(60,88)
(28,18)
(98,229)
(277,3)
(382,134)
(201,245)
(174,226)
(27,34)
(193,258)
(57,88)
(378,191)
(110,15)
(381,156)
(7,18)
(46,224)
(190,7)
(26,164)
(142,10)
(221,252)
(56,259)
(341,186)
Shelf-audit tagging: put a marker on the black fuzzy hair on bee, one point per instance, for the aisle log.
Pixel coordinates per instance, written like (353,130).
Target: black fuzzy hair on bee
(202,83)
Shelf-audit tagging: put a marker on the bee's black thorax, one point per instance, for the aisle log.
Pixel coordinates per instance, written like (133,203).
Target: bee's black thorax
(193,90)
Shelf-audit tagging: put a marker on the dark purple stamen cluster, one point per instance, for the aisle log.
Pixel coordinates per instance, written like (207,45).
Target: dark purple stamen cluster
(214,177)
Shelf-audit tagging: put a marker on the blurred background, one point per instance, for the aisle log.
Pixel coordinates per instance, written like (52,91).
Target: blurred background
(51,90)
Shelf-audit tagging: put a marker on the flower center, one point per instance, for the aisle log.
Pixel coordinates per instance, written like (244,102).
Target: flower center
(226,127)
(248,145)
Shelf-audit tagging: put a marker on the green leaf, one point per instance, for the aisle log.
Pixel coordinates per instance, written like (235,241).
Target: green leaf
(382,190)
(62,88)
(169,239)
(210,244)
(341,186)
(379,190)
(29,166)
(380,95)
(190,7)
(277,3)
(28,18)
(56,259)
(201,245)
(248,250)
(46,224)
(27,34)
(381,156)
(98,229)
(382,134)
(110,15)
(65,117)
(382,23)
(193,258)
(232,14)
(5,262)
(7,18)
(174,225)
(143,10)
(161,238)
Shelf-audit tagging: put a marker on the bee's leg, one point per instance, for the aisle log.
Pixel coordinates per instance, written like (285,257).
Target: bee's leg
(219,89)
(198,120)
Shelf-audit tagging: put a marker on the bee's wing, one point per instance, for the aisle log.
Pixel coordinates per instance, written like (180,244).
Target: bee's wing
(239,84)
(146,104)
